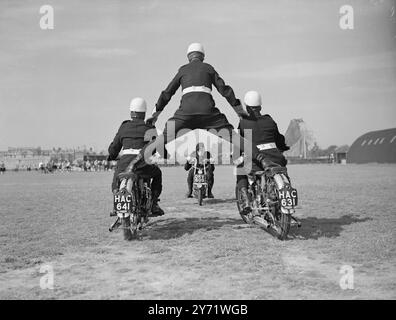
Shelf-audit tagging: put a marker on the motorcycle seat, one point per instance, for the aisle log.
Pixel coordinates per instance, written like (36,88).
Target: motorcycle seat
(258,173)
(271,171)
(126,175)
(266,163)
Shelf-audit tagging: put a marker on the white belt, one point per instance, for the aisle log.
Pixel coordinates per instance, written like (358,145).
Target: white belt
(266,146)
(197,89)
(131,151)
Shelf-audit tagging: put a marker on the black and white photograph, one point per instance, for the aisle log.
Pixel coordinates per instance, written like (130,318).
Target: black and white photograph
(217,152)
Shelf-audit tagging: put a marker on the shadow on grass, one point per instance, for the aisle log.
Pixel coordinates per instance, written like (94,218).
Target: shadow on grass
(175,228)
(217,201)
(315,228)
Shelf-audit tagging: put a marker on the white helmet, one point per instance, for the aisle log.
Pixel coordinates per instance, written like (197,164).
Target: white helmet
(138,105)
(195,47)
(252,99)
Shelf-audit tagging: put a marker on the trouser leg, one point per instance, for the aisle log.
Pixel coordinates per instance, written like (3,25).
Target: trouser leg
(153,173)
(210,176)
(156,183)
(122,164)
(114,183)
(190,178)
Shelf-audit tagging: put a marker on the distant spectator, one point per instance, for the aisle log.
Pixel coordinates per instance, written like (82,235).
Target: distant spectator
(2,168)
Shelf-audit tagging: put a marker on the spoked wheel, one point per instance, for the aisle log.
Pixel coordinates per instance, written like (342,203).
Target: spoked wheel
(282,222)
(200,196)
(126,228)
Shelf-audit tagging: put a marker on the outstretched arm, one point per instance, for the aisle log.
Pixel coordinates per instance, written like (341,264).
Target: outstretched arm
(167,94)
(280,141)
(227,92)
(115,146)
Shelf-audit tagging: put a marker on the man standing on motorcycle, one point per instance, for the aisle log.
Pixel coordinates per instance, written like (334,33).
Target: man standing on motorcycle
(130,138)
(199,157)
(265,136)
(197,108)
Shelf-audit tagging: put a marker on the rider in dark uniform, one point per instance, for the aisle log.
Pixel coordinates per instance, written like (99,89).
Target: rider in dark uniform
(200,155)
(131,138)
(265,136)
(197,108)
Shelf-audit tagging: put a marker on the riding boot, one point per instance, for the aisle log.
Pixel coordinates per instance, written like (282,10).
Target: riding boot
(210,194)
(246,206)
(156,209)
(261,159)
(189,192)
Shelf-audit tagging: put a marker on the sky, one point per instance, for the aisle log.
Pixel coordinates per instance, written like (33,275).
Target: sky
(71,86)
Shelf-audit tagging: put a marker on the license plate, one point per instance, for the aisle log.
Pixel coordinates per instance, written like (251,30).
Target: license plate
(199,178)
(122,201)
(288,197)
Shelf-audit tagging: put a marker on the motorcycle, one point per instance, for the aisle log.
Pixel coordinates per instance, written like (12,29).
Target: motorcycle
(132,205)
(200,181)
(273,200)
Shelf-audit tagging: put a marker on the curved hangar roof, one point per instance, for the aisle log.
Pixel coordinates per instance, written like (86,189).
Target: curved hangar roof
(375,146)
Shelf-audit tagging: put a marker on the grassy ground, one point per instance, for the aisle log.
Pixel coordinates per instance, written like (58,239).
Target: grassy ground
(61,220)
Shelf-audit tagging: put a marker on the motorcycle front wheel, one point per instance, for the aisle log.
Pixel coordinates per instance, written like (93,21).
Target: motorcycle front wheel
(239,198)
(200,196)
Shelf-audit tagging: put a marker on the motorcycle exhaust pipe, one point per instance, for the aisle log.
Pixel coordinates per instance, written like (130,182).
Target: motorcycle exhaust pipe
(296,222)
(114,225)
(261,221)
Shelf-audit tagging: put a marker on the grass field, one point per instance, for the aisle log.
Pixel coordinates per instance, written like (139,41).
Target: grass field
(61,220)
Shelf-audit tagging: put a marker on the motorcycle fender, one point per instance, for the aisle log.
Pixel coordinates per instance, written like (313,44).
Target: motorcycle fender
(280,180)
(123,214)
(287,211)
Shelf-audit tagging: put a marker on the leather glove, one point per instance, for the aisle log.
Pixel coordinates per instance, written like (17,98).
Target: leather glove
(260,157)
(151,121)
(154,117)
(242,113)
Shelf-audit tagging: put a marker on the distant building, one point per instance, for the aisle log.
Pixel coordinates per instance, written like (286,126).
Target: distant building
(341,154)
(299,139)
(375,146)
(28,157)
(23,158)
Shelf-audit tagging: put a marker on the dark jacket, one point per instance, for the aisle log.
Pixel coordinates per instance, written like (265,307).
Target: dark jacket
(264,130)
(131,134)
(206,155)
(196,73)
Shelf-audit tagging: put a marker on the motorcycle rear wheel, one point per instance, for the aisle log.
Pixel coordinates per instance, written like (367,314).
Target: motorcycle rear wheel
(126,227)
(284,224)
